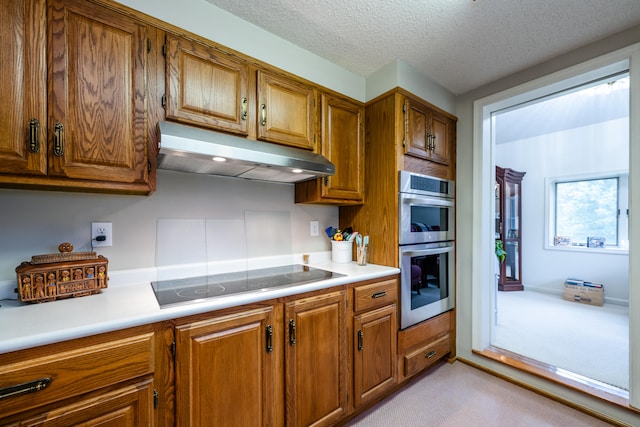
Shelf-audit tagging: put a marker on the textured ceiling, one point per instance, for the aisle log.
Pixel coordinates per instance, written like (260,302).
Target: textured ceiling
(460,44)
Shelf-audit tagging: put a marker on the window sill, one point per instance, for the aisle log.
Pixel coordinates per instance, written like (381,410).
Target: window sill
(586,250)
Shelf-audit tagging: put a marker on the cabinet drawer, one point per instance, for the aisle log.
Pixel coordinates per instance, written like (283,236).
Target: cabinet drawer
(73,371)
(375,295)
(425,331)
(426,356)
(125,406)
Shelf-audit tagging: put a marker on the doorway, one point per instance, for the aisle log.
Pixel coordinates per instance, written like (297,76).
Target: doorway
(483,295)
(571,148)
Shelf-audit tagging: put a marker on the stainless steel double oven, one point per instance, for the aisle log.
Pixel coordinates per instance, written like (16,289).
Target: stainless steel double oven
(427,247)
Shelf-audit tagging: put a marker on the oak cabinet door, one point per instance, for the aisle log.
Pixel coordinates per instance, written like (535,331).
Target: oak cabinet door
(416,129)
(23,87)
(442,131)
(375,366)
(226,371)
(316,360)
(342,139)
(206,87)
(97,104)
(343,145)
(286,111)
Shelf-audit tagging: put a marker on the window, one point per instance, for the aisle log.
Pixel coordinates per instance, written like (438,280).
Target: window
(590,212)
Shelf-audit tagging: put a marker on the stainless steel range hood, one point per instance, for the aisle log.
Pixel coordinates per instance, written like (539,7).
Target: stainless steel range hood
(190,149)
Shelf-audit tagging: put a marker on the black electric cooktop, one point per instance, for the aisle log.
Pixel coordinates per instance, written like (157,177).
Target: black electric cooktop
(194,289)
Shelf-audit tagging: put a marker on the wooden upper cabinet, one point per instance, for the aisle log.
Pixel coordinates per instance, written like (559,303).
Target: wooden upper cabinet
(206,87)
(316,361)
(343,145)
(23,87)
(286,111)
(226,370)
(429,134)
(97,104)
(342,136)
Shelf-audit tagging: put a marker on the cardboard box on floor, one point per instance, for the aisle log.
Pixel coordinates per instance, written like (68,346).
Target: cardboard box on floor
(584,294)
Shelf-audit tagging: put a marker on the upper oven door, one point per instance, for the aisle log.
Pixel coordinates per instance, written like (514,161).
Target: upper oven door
(425,219)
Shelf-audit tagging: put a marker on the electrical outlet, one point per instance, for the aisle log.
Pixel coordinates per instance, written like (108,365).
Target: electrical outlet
(100,230)
(314,228)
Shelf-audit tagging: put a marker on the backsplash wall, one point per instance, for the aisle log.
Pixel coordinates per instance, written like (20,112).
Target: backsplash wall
(35,222)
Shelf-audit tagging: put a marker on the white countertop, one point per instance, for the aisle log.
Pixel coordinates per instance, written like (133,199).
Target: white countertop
(131,302)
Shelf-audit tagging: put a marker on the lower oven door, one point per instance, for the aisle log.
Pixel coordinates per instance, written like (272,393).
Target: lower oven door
(427,281)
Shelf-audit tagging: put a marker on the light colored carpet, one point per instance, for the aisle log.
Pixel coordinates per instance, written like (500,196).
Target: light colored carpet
(458,395)
(587,340)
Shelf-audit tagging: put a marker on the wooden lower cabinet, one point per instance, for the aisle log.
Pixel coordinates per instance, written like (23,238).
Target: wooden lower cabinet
(227,371)
(422,345)
(294,361)
(374,358)
(316,360)
(105,380)
(375,328)
(313,359)
(254,367)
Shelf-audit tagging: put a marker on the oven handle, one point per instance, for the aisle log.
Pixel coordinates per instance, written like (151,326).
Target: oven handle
(419,252)
(432,201)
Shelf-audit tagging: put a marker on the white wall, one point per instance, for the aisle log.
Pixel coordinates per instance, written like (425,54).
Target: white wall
(35,222)
(399,73)
(599,148)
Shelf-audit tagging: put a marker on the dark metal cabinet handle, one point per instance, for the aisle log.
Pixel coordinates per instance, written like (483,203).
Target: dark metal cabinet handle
(263,114)
(30,387)
(430,354)
(292,332)
(243,106)
(34,135)
(360,340)
(379,295)
(269,338)
(58,140)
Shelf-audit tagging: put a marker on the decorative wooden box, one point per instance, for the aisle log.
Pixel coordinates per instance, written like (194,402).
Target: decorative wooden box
(63,275)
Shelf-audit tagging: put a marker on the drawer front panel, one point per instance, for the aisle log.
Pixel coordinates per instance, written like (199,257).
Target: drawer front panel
(375,295)
(74,372)
(425,356)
